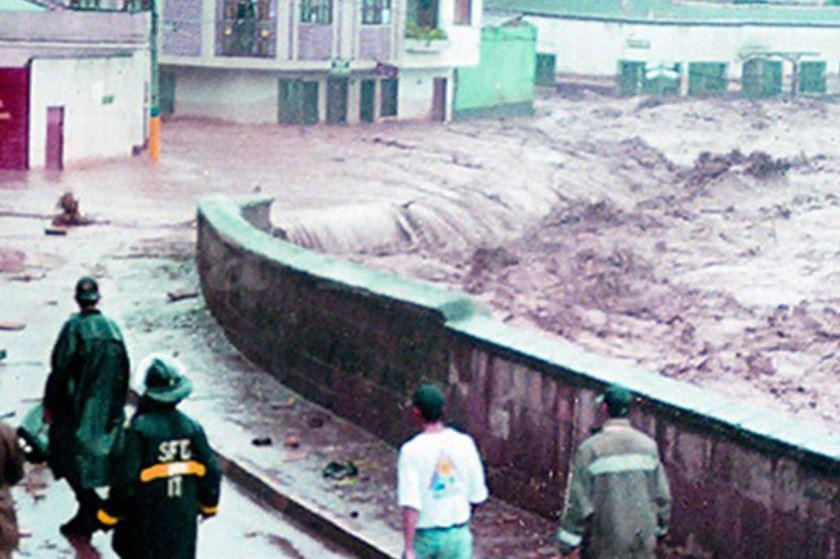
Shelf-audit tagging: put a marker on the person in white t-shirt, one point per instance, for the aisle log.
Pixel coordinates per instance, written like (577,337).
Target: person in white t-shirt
(439,479)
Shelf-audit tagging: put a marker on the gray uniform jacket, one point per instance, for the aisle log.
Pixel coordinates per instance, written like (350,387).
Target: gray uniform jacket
(617,500)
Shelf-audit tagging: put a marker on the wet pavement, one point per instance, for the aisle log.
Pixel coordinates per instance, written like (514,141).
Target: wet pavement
(363,189)
(140,249)
(241,524)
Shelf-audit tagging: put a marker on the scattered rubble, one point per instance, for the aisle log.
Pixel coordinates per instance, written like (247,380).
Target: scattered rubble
(175,296)
(262,441)
(339,471)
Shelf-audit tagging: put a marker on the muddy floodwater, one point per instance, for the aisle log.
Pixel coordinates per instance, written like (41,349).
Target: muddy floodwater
(699,239)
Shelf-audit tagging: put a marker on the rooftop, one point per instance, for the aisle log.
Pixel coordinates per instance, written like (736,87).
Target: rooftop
(673,12)
(19,6)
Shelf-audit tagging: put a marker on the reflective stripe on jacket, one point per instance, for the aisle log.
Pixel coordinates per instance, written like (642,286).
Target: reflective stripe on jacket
(617,499)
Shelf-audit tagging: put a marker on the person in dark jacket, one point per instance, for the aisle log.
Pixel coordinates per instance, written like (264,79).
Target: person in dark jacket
(168,476)
(11,472)
(84,403)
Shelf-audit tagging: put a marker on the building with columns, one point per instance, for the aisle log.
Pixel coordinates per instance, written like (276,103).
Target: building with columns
(696,47)
(309,61)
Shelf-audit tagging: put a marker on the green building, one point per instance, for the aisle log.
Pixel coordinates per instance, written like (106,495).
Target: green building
(503,83)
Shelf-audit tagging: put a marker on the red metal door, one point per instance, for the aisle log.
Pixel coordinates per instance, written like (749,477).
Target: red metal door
(55,138)
(14,118)
(439,100)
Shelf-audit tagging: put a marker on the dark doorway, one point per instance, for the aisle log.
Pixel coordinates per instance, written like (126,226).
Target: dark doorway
(297,102)
(55,138)
(439,100)
(337,100)
(14,118)
(167,93)
(367,104)
(390,98)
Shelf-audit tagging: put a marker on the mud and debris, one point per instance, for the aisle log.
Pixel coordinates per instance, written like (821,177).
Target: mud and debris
(594,221)
(679,237)
(70,215)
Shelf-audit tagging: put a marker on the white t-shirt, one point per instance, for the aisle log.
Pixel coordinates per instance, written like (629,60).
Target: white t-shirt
(440,475)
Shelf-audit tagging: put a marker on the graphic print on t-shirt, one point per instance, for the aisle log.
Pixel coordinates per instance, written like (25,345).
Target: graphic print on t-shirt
(445,480)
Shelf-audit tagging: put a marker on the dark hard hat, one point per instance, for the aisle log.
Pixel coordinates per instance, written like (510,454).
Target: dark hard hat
(87,290)
(165,381)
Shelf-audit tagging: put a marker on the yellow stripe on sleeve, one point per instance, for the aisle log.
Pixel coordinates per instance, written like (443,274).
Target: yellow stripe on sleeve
(106,519)
(159,471)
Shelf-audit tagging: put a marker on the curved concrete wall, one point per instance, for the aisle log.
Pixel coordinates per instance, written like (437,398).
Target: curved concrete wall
(747,483)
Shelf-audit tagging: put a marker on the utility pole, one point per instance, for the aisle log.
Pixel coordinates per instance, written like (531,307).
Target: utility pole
(154,102)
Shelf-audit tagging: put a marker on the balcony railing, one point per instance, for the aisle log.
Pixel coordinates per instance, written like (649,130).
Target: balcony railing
(246,37)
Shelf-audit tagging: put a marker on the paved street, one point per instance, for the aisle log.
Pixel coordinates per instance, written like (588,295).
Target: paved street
(241,525)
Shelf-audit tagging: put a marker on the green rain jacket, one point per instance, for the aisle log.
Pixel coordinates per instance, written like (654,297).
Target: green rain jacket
(167,477)
(617,500)
(85,395)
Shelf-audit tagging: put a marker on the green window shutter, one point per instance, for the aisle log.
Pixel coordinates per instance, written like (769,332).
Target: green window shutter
(812,77)
(546,69)
(761,78)
(631,77)
(707,78)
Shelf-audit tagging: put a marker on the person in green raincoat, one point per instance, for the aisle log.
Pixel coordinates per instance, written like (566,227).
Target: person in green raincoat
(168,476)
(84,404)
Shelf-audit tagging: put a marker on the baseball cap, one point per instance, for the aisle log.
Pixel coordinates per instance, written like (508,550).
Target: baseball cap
(617,398)
(429,400)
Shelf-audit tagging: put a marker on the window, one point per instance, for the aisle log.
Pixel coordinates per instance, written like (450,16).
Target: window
(463,12)
(389,98)
(316,11)
(376,12)
(247,29)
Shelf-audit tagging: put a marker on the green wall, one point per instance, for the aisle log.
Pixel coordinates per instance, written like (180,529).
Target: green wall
(503,83)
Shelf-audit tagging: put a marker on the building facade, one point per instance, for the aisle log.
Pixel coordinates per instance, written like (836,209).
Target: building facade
(73,85)
(503,84)
(309,61)
(713,47)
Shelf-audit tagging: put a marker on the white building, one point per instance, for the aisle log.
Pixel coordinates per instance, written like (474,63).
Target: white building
(307,61)
(595,38)
(73,85)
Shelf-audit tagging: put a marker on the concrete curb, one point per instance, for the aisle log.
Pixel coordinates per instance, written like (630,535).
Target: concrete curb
(291,506)
(300,511)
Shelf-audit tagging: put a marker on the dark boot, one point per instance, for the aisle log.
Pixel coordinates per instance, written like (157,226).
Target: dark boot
(83,524)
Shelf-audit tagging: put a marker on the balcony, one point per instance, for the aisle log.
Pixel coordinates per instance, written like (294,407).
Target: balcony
(441,33)
(419,39)
(247,37)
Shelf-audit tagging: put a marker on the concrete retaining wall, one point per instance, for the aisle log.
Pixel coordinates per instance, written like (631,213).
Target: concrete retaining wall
(747,483)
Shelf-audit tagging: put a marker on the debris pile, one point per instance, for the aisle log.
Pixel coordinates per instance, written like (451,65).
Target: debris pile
(758,164)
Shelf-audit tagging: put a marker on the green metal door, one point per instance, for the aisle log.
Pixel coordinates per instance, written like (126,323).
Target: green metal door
(367,106)
(761,78)
(310,103)
(631,77)
(707,78)
(546,69)
(812,78)
(297,102)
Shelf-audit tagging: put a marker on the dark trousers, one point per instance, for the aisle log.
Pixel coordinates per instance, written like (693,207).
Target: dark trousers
(89,503)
